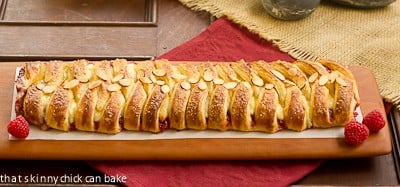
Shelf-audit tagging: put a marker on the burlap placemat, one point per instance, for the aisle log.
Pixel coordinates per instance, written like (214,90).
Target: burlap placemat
(366,37)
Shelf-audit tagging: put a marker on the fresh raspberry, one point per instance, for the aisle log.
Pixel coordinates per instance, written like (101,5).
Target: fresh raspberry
(18,127)
(374,121)
(355,133)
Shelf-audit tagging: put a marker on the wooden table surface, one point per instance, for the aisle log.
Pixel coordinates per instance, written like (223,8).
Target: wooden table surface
(142,30)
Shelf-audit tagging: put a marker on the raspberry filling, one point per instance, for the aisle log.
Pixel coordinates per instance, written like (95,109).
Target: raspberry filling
(121,122)
(281,124)
(163,125)
(72,127)
(331,116)
(355,114)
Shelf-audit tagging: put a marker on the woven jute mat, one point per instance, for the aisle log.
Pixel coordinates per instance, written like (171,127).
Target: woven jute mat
(365,37)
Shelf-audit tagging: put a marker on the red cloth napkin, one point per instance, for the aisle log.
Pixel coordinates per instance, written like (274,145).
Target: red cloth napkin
(221,41)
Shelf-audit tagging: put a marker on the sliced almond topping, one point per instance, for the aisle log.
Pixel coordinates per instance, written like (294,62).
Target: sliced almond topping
(125,82)
(160,82)
(218,81)
(333,75)
(48,77)
(269,86)
(202,85)
(49,89)
(165,89)
(193,80)
(117,78)
(178,76)
(40,86)
(71,84)
(230,85)
(145,80)
(83,79)
(234,78)
(301,84)
(292,71)
(159,72)
(208,76)
(278,75)
(323,80)
(313,77)
(153,78)
(114,87)
(102,74)
(94,84)
(248,85)
(140,73)
(341,82)
(185,85)
(256,80)
(290,82)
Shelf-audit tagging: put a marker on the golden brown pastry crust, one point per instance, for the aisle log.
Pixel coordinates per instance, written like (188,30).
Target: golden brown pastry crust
(180,97)
(134,107)
(111,96)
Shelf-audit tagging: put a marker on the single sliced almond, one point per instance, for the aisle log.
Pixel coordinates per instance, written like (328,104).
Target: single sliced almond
(48,77)
(153,78)
(114,87)
(185,85)
(292,71)
(83,79)
(159,72)
(333,75)
(278,75)
(301,84)
(341,82)
(313,77)
(268,86)
(202,85)
(71,84)
(178,76)
(256,80)
(165,89)
(233,78)
(193,80)
(94,84)
(230,85)
(208,76)
(49,89)
(290,82)
(218,81)
(40,86)
(145,80)
(125,82)
(246,84)
(323,80)
(117,78)
(102,74)
(160,82)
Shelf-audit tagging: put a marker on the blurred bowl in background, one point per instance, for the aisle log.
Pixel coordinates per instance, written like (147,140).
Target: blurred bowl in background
(365,3)
(290,9)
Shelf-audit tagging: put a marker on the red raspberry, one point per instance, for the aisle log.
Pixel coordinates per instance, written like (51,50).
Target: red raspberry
(374,121)
(355,133)
(18,127)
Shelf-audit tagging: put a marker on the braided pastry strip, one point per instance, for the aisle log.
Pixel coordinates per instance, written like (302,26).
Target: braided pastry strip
(110,96)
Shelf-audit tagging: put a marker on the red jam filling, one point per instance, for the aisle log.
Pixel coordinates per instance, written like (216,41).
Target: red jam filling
(72,127)
(331,116)
(163,125)
(121,122)
(281,124)
(355,114)
(96,126)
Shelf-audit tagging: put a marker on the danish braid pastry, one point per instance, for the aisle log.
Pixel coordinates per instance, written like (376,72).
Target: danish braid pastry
(112,96)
